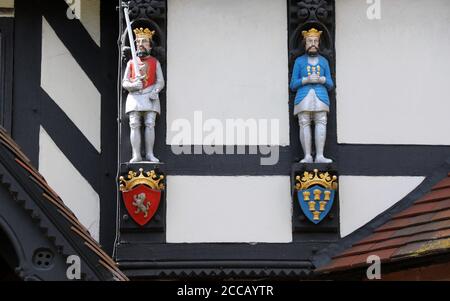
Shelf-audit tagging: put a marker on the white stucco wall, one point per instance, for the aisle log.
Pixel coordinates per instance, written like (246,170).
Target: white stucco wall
(72,90)
(8,6)
(392,73)
(228,59)
(363,198)
(7,3)
(229,209)
(88,12)
(69,86)
(71,186)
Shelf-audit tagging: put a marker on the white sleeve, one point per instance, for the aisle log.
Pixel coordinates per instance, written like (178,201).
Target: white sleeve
(160,83)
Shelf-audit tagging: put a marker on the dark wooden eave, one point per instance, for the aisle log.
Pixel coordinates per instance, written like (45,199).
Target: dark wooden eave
(34,217)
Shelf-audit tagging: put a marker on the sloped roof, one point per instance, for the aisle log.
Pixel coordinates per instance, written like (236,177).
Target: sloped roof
(420,230)
(60,224)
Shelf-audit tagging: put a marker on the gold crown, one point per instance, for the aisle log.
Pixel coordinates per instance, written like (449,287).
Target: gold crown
(311,33)
(144,33)
(150,178)
(309,179)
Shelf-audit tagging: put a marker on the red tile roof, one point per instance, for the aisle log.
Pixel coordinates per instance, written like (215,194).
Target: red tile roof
(420,230)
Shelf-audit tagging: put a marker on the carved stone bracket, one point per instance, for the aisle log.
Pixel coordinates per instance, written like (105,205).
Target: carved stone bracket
(151,14)
(307,13)
(151,9)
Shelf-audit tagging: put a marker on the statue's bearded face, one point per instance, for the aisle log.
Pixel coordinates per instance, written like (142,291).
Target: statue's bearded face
(143,47)
(312,45)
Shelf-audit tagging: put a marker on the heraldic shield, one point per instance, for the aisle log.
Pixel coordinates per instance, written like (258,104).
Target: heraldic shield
(316,192)
(142,195)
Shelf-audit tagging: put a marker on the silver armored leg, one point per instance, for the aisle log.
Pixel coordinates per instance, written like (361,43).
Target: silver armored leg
(135,136)
(304,119)
(150,120)
(320,120)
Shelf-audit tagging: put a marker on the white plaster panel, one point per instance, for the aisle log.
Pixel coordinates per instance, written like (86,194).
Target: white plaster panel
(7,3)
(69,86)
(88,12)
(228,59)
(392,73)
(71,186)
(229,209)
(8,8)
(364,198)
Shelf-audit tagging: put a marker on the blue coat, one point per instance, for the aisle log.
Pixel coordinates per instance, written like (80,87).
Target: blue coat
(300,71)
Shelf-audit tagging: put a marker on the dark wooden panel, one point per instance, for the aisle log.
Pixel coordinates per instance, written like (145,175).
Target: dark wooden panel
(6,71)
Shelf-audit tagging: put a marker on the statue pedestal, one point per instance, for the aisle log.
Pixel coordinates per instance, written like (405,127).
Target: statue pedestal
(303,228)
(126,167)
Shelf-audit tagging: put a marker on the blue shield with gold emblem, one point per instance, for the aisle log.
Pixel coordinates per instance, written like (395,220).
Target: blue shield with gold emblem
(316,202)
(316,192)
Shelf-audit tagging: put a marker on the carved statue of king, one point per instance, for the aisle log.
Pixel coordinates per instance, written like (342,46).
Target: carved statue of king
(142,104)
(311,80)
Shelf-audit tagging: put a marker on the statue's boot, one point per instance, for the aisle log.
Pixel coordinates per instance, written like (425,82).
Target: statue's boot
(136,159)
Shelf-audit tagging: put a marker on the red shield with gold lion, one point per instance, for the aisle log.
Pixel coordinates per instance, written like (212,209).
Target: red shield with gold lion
(142,195)
(142,203)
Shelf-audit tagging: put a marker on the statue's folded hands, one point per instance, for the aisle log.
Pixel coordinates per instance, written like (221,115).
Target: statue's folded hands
(134,86)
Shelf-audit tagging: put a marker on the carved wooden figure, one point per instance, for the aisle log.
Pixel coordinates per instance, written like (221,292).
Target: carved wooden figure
(311,80)
(144,80)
